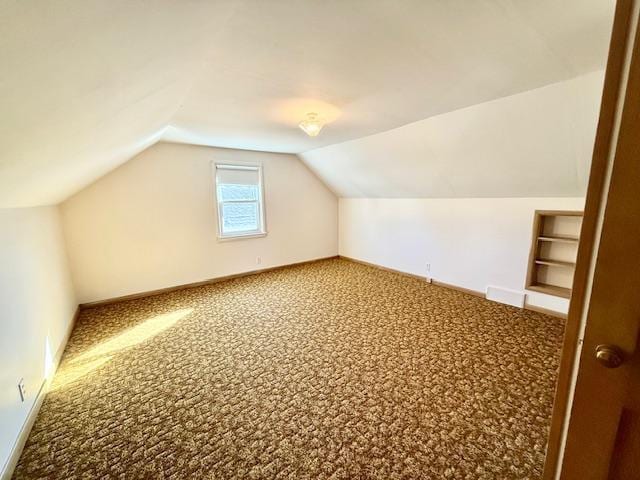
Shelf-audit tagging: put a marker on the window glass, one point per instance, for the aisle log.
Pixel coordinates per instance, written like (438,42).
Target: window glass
(239,198)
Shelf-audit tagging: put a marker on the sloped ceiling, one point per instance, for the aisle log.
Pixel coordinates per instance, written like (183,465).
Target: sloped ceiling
(533,144)
(86,84)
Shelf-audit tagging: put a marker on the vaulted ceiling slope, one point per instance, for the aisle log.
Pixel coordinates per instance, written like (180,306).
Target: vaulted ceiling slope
(533,144)
(86,84)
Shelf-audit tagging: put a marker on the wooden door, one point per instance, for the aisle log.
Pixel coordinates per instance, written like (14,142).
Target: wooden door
(603,430)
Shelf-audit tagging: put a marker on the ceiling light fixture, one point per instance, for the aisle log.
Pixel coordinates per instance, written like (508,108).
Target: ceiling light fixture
(311,125)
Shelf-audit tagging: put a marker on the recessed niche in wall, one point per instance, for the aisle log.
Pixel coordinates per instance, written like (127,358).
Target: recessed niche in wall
(554,247)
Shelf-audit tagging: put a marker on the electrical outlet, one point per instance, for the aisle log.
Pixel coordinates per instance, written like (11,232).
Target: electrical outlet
(22,389)
(258,260)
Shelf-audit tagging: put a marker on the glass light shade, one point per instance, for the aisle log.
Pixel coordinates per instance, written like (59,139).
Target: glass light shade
(311,125)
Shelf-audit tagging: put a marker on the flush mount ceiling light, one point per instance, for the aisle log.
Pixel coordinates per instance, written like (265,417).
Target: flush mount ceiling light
(311,125)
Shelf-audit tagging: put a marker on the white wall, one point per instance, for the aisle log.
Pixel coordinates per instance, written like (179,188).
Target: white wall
(152,223)
(470,243)
(534,144)
(37,307)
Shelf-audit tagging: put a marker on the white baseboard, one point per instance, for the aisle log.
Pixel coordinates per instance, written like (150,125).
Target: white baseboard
(16,451)
(14,456)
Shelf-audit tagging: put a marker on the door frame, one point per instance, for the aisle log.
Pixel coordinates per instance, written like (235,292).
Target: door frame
(614,92)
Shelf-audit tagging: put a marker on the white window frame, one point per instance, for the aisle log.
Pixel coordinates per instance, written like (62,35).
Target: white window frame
(262,231)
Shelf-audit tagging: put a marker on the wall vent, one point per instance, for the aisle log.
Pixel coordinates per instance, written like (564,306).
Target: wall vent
(505,295)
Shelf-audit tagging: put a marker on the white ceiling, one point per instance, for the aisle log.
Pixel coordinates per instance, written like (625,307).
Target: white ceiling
(85,84)
(533,144)
(382,64)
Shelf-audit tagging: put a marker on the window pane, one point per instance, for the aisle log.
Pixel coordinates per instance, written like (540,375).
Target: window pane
(240,217)
(229,191)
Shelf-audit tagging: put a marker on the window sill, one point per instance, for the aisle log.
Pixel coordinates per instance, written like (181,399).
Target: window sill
(229,238)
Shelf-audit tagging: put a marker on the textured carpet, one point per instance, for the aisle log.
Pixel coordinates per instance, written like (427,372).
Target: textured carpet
(326,370)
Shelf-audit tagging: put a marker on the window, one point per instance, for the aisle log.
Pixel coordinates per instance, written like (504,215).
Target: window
(239,196)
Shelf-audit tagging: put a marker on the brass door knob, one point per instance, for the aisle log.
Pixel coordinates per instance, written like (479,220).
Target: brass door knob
(609,356)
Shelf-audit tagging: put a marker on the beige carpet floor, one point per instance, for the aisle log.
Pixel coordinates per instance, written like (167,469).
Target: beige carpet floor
(327,370)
